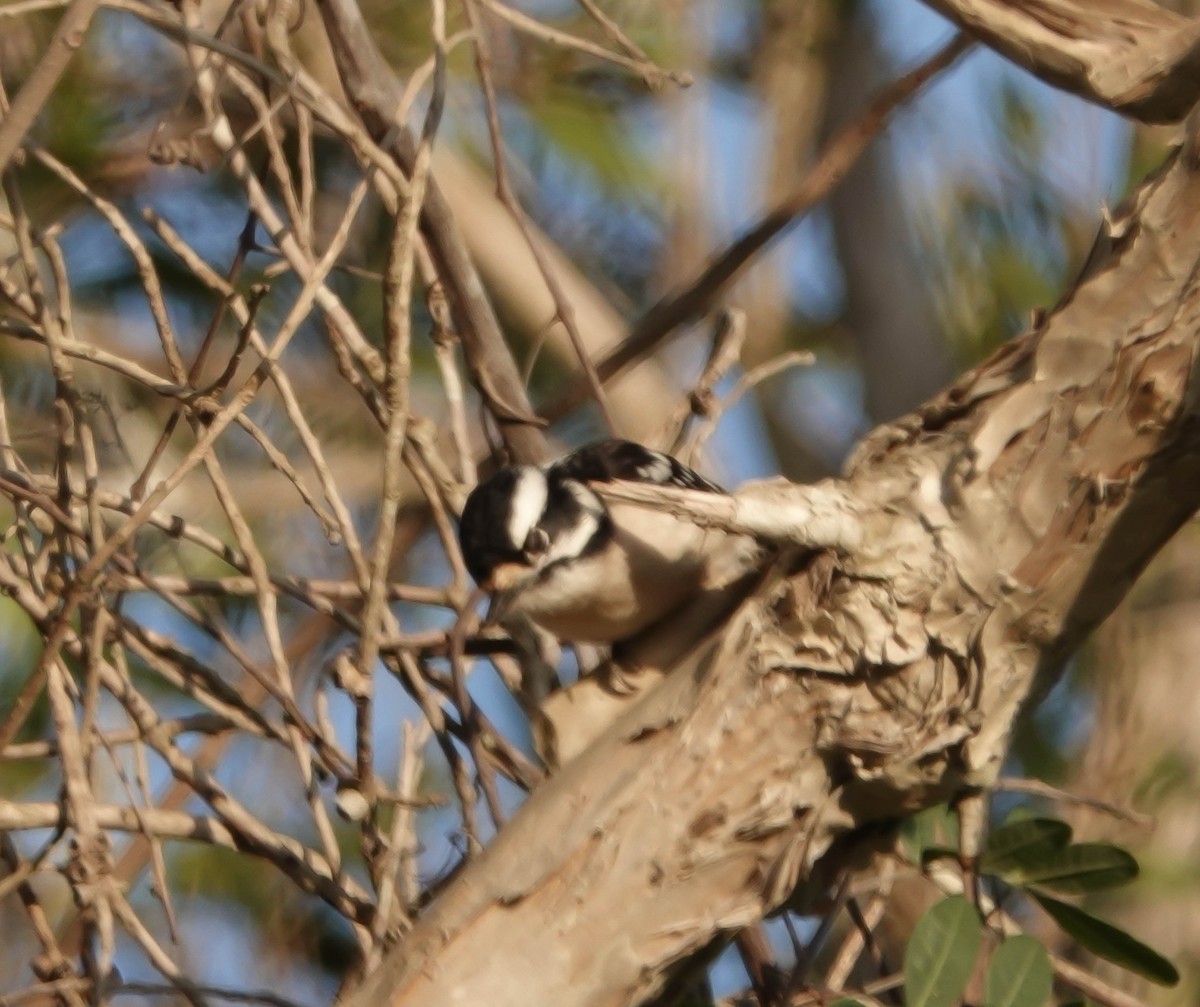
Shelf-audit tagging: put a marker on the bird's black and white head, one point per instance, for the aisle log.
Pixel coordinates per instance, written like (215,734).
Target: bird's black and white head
(524,520)
(544,543)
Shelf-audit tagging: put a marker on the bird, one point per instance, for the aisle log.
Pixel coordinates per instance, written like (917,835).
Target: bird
(545,544)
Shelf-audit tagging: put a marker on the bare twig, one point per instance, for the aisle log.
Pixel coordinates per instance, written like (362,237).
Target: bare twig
(67,39)
(1037,788)
(699,294)
(376,95)
(654,75)
(563,312)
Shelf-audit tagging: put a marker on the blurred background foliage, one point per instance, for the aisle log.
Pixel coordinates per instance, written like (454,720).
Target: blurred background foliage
(974,210)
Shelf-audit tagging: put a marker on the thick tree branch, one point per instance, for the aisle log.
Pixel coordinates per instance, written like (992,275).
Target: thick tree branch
(999,525)
(1132,56)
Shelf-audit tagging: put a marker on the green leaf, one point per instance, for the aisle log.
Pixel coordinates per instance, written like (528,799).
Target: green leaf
(941,954)
(1011,844)
(1109,942)
(1081,867)
(930,827)
(846,1002)
(1019,974)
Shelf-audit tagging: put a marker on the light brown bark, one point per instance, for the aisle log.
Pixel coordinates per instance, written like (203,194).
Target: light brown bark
(1129,55)
(1000,523)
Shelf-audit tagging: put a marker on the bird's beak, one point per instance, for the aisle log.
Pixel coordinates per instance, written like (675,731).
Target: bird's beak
(502,586)
(505,577)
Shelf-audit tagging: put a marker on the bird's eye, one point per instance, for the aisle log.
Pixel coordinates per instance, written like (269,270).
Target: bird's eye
(536,542)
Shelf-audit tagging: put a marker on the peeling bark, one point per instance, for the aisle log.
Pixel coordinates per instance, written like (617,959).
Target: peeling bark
(1132,56)
(1001,523)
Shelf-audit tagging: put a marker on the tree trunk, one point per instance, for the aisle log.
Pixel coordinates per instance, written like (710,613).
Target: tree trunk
(990,532)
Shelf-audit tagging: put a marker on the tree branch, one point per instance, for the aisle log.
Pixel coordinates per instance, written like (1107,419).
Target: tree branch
(1132,56)
(699,295)
(26,107)
(376,95)
(1001,523)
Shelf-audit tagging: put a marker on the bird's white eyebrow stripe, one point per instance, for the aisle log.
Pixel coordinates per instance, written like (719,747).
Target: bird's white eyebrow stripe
(528,503)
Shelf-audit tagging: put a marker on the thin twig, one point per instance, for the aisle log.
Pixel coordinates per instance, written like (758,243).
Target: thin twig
(652,74)
(563,310)
(25,108)
(1036,788)
(699,294)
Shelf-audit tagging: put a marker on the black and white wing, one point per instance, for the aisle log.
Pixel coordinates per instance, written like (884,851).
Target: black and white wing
(606,461)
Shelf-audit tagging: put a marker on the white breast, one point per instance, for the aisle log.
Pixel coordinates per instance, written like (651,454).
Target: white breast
(654,565)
